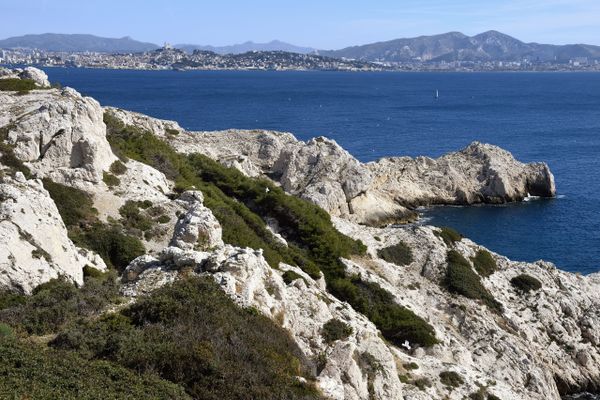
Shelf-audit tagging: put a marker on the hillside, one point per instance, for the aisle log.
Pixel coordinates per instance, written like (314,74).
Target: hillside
(76,43)
(455,46)
(274,45)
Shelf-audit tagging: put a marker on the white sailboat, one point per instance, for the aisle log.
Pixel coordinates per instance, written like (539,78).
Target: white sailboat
(437,94)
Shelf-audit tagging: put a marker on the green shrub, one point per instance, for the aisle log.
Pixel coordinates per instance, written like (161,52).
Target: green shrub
(335,329)
(484,263)
(39,253)
(91,272)
(396,323)
(448,235)
(75,206)
(110,179)
(132,218)
(492,397)
(5,331)
(163,219)
(399,254)
(172,131)
(17,85)
(118,168)
(192,334)
(54,304)
(461,279)
(451,379)
(411,366)
(478,395)
(116,248)
(33,372)
(525,283)
(77,212)
(422,383)
(10,299)
(290,276)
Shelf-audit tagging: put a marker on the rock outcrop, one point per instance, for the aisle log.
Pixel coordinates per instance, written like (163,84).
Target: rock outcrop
(376,193)
(34,246)
(38,76)
(58,133)
(302,307)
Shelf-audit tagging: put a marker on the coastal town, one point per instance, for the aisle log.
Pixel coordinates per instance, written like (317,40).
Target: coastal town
(169,58)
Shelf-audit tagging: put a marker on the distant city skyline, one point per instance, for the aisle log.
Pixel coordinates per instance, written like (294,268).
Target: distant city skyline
(324,25)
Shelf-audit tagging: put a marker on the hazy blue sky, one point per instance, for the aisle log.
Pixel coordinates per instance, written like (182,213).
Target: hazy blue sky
(316,23)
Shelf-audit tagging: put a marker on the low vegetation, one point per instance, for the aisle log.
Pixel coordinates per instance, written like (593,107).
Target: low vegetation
(461,279)
(133,219)
(242,204)
(396,323)
(399,254)
(110,180)
(192,334)
(451,379)
(54,304)
(75,206)
(448,235)
(484,263)
(335,329)
(118,168)
(17,85)
(525,283)
(290,276)
(31,371)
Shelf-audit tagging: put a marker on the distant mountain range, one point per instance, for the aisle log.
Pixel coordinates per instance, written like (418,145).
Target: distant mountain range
(77,43)
(455,46)
(452,46)
(274,45)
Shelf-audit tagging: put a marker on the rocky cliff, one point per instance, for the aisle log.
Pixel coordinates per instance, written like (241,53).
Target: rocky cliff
(505,329)
(376,193)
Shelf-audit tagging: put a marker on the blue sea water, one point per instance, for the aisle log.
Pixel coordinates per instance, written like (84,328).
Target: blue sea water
(552,117)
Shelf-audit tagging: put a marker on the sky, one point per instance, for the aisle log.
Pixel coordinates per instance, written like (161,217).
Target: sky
(323,24)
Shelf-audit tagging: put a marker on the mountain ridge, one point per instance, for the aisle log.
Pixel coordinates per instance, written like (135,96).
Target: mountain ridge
(273,45)
(455,46)
(76,43)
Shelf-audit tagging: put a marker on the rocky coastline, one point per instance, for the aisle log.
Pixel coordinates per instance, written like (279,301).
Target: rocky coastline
(519,331)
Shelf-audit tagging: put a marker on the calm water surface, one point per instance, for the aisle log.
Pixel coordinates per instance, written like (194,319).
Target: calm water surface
(552,117)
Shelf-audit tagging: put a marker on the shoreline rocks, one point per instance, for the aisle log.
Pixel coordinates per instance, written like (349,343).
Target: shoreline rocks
(376,193)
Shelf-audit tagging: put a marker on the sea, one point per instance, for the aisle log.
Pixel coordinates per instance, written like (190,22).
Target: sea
(551,117)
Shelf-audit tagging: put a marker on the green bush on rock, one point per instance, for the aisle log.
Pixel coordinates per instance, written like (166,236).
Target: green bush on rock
(451,379)
(448,235)
(484,263)
(241,204)
(56,303)
(192,334)
(399,254)
(17,85)
(34,372)
(525,283)
(335,329)
(461,279)
(80,217)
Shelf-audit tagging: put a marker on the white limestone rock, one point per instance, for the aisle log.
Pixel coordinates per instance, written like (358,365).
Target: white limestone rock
(376,193)
(34,246)
(60,134)
(197,228)
(302,307)
(37,75)
(539,336)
